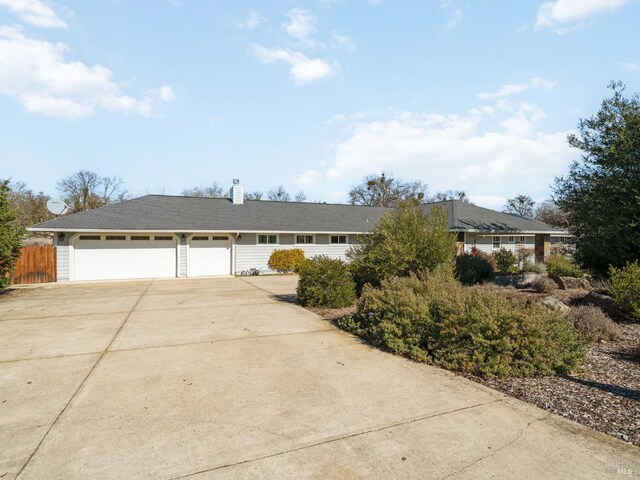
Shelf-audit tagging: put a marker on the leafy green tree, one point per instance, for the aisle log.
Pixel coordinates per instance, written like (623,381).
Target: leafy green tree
(601,193)
(383,191)
(11,234)
(404,241)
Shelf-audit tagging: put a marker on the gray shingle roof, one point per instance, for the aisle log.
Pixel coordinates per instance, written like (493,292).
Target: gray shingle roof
(186,214)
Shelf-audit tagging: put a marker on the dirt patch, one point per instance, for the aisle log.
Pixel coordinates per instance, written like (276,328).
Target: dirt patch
(333,314)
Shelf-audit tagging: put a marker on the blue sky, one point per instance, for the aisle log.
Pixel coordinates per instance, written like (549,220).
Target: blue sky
(313,95)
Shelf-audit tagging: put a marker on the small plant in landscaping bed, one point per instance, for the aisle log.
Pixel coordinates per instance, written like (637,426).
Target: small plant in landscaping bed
(534,267)
(593,323)
(472,269)
(325,282)
(506,261)
(625,289)
(562,266)
(286,261)
(543,285)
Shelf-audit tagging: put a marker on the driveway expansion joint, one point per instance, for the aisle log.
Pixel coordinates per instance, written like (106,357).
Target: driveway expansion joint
(82,383)
(500,449)
(340,438)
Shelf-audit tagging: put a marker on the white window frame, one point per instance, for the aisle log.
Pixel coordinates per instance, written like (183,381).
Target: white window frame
(258,235)
(522,239)
(346,240)
(305,235)
(512,239)
(493,242)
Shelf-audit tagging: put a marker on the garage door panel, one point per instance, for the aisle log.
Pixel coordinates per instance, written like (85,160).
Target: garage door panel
(209,257)
(124,259)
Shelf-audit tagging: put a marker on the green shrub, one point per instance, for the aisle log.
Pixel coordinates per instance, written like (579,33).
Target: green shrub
(488,335)
(399,315)
(325,282)
(472,269)
(543,285)
(11,233)
(625,288)
(506,261)
(432,318)
(403,241)
(534,267)
(562,266)
(286,261)
(593,323)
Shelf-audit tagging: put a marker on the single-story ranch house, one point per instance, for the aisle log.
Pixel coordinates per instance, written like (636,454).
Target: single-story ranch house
(159,236)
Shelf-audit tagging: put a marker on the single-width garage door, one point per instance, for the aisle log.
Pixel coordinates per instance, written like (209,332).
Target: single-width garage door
(114,257)
(209,255)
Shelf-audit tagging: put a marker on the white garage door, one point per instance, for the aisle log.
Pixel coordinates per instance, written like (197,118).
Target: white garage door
(209,255)
(114,257)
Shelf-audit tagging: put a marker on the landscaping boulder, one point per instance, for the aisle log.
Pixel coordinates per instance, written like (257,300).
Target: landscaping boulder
(569,283)
(555,304)
(520,280)
(605,303)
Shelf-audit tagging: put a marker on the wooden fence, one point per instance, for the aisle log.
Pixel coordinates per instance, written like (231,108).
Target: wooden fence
(37,264)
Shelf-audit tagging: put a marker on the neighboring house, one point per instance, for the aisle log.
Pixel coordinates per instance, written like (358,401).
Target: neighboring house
(159,236)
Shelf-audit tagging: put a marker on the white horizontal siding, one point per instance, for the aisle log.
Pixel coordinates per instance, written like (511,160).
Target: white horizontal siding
(63,253)
(257,256)
(484,243)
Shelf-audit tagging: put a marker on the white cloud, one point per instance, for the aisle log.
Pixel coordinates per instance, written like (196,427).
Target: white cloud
(491,152)
(630,67)
(308,179)
(253,21)
(34,12)
(300,24)
(342,41)
(453,12)
(517,88)
(563,15)
(37,74)
(303,70)
(175,3)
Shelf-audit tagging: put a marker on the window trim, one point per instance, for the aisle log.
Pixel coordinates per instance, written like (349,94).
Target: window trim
(512,239)
(258,235)
(493,242)
(305,235)
(115,238)
(523,239)
(90,237)
(140,238)
(346,240)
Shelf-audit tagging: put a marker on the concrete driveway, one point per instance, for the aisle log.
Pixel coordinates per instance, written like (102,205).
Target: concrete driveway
(222,378)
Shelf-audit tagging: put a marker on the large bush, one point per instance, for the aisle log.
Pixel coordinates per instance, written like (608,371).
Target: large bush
(403,241)
(543,285)
(473,330)
(325,282)
(473,268)
(11,234)
(506,261)
(562,266)
(286,261)
(624,286)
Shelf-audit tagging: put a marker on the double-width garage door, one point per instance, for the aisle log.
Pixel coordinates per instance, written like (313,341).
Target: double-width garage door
(115,257)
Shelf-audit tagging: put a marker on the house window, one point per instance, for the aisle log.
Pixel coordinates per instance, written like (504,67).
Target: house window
(200,238)
(267,239)
(522,239)
(338,239)
(140,237)
(89,237)
(563,239)
(496,243)
(304,239)
(512,239)
(163,237)
(460,237)
(116,237)
(219,237)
